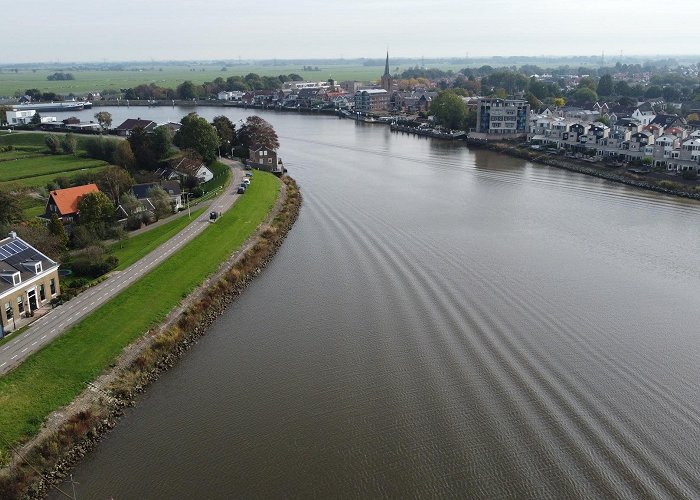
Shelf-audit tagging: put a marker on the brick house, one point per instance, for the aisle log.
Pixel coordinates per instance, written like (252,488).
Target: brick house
(28,281)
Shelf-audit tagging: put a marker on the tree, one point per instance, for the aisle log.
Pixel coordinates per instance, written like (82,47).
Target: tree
(56,228)
(96,210)
(69,143)
(196,133)
(186,91)
(3,114)
(161,201)
(142,148)
(10,209)
(653,91)
(534,102)
(606,86)
(104,118)
(162,141)
(114,181)
(584,94)
(588,82)
(53,143)
(559,102)
(449,110)
(37,234)
(226,131)
(257,132)
(123,156)
(36,119)
(622,88)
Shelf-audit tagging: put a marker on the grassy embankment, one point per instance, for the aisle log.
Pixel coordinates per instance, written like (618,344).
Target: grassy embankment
(137,247)
(55,375)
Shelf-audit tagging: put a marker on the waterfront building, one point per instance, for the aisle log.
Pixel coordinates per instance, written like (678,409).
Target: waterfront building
(28,281)
(507,117)
(371,100)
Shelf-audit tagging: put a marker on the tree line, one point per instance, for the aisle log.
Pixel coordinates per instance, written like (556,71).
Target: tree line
(188,90)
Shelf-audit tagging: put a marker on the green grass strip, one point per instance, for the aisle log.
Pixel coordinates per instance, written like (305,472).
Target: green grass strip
(137,247)
(41,181)
(54,376)
(44,165)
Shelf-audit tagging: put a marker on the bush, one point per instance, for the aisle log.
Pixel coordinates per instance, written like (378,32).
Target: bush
(690,175)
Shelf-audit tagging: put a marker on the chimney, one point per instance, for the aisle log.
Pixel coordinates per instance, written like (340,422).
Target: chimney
(13,235)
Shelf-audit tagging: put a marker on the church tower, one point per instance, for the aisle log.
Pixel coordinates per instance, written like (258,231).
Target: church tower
(387,80)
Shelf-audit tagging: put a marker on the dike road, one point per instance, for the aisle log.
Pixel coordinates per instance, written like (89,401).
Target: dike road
(54,323)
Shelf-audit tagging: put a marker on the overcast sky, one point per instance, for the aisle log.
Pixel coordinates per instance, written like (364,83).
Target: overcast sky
(93,30)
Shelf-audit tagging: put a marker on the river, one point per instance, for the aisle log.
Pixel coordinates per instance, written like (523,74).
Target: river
(440,322)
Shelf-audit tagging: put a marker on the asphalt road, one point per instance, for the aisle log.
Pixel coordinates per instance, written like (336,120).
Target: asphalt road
(58,320)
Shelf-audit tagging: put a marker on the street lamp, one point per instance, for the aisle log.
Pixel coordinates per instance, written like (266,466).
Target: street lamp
(187,196)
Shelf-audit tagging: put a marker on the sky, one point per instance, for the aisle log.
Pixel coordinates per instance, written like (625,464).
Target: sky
(138,30)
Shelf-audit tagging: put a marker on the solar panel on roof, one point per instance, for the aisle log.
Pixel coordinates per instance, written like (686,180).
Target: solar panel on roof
(12,248)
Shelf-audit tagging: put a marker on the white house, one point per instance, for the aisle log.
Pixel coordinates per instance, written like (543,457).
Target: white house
(20,117)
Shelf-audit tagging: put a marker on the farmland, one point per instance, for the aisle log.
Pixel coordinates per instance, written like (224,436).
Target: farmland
(28,168)
(171,76)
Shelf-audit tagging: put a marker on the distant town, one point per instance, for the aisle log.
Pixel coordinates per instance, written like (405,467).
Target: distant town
(647,114)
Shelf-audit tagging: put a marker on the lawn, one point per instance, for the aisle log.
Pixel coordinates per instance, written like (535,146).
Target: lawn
(45,165)
(24,139)
(42,180)
(134,248)
(54,376)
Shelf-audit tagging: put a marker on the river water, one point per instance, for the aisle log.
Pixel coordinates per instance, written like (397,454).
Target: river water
(440,322)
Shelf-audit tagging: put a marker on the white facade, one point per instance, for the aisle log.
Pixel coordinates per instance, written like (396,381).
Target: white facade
(20,117)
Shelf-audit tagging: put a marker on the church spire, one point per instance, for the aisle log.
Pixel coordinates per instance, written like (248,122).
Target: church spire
(386,66)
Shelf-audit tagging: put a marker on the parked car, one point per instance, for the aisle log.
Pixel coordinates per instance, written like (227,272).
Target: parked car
(241,190)
(246,181)
(249,174)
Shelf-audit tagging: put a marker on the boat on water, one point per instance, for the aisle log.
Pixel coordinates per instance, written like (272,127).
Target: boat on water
(53,106)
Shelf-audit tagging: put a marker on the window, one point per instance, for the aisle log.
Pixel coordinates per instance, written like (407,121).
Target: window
(52,286)
(42,292)
(16,279)
(8,310)
(20,304)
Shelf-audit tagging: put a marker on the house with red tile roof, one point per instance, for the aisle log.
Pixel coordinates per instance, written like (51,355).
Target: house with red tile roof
(64,202)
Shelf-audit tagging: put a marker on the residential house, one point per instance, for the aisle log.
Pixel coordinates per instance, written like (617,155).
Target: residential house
(21,117)
(171,187)
(263,158)
(28,281)
(188,167)
(644,114)
(64,202)
(128,126)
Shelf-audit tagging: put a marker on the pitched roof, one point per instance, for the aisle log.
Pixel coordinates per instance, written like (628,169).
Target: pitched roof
(15,257)
(66,200)
(132,123)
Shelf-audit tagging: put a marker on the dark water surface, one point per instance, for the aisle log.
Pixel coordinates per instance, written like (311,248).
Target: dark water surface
(439,323)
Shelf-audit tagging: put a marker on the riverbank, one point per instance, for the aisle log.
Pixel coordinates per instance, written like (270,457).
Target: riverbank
(75,429)
(674,187)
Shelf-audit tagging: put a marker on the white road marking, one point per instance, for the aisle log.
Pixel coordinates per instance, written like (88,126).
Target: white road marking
(42,337)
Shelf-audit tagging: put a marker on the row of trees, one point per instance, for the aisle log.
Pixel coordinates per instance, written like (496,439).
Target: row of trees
(188,90)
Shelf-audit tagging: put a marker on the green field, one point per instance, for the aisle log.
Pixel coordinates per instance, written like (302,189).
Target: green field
(55,375)
(171,76)
(45,165)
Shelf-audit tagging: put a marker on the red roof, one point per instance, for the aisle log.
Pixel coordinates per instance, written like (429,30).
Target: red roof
(67,199)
